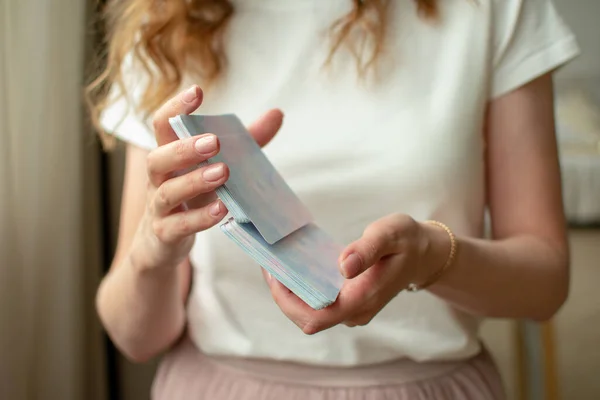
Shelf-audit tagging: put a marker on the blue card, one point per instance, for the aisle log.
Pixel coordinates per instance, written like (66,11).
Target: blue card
(305,261)
(255,192)
(269,222)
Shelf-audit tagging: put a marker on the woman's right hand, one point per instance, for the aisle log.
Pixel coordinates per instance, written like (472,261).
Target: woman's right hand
(181,199)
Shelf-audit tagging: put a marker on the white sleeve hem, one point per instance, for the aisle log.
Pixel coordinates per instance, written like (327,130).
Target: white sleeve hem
(534,66)
(146,144)
(119,122)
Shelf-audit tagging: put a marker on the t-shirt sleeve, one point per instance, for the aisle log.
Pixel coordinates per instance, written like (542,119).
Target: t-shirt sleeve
(122,117)
(530,40)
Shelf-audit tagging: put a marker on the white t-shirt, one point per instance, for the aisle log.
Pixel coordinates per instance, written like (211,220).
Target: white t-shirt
(354,153)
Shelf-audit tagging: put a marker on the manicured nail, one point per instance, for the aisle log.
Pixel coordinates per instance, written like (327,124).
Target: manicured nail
(206,144)
(190,95)
(351,266)
(215,209)
(213,173)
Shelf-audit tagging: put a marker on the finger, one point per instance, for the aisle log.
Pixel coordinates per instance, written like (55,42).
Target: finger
(364,315)
(312,321)
(378,241)
(376,287)
(292,306)
(175,227)
(266,275)
(359,320)
(355,297)
(359,300)
(179,155)
(177,190)
(265,128)
(183,103)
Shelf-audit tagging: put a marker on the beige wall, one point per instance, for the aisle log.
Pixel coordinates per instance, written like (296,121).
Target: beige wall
(578,324)
(584,18)
(577,328)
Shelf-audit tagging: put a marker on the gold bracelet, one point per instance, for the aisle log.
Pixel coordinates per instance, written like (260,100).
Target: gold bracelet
(412,287)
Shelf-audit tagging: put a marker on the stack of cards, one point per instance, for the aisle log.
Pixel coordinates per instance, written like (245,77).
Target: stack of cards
(268,221)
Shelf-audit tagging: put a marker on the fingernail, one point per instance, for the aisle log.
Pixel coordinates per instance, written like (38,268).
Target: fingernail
(190,95)
(206,144)
(269,277)
(350,266)
(215,209)
(213,173)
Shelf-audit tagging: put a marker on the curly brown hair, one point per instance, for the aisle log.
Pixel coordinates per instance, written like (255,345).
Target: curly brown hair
(161,35)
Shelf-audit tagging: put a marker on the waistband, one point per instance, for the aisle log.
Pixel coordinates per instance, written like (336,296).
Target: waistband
(394,372)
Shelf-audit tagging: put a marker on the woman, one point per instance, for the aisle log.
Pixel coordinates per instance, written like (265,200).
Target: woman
(397,113)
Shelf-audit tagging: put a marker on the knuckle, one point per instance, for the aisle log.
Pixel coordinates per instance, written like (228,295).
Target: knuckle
(382,235)
(162,198)
(150,198)
(404,223)
(359,320)
(368,294)
(311,327)
(405,219)
(158,227)
(183,224)
(388,233)
(204,220)
(151,163)
(180,149)
(157,121)
(373,232)
(410,223)
(308,330)
(369,251)
(193,183)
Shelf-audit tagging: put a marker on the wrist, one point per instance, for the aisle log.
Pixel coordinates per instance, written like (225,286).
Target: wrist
(148,253)
(435,253)
(145,257)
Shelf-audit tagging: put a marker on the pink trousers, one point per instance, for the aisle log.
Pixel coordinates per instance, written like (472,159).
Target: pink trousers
(187,374)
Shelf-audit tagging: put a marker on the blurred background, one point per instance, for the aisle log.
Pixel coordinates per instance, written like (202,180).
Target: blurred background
(59,205)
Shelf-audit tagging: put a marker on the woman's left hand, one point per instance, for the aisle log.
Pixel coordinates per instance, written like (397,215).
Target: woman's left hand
(392,253)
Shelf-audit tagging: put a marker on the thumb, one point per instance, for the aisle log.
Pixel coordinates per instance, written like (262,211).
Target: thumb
(365,252)
(183,103)
(265,127)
